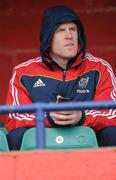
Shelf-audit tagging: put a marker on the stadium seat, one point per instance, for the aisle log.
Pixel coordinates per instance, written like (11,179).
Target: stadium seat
(3,142)
(3,129)
(62,138)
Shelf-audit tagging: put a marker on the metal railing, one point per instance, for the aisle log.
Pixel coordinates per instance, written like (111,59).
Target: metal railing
(40,108)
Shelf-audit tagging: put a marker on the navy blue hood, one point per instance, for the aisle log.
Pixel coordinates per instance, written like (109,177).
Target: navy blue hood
(52,18)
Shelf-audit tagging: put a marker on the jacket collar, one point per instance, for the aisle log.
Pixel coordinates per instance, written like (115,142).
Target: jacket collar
(74,62)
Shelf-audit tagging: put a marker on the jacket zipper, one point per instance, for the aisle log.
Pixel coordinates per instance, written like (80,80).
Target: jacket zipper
(64,75)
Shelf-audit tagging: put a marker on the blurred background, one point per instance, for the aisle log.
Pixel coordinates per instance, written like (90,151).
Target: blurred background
(20,27)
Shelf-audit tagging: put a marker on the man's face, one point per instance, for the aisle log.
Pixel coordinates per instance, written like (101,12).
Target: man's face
(64,43)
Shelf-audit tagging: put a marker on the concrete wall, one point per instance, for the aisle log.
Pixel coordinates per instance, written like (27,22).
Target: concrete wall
(59,165)
(20,26)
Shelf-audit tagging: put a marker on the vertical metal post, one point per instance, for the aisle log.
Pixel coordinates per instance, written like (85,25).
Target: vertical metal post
(40,130)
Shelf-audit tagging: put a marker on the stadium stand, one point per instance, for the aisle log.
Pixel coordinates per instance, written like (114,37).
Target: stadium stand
(56,138)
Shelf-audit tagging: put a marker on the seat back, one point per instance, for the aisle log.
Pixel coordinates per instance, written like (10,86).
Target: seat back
(2,128)
(3,142)
(62,138)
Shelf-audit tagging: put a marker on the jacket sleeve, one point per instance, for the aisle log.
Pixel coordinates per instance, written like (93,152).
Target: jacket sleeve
(105,91)
(17,95)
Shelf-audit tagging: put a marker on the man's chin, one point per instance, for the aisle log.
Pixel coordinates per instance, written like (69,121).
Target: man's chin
(70,56)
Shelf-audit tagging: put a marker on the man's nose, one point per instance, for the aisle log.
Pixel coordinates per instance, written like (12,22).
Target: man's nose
(68,34)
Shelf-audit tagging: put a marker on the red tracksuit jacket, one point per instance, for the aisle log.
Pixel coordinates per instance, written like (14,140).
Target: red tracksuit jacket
(33,81)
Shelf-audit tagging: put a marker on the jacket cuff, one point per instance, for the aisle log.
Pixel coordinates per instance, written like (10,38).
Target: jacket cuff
(50,120)
(82,119)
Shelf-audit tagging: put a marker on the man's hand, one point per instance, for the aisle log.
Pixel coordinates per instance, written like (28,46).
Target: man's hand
(66,117)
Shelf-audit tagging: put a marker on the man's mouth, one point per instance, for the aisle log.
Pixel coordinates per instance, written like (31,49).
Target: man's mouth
(69,45)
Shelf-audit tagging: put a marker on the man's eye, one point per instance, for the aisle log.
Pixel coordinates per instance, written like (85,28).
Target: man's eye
(73,29)
(60,30)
